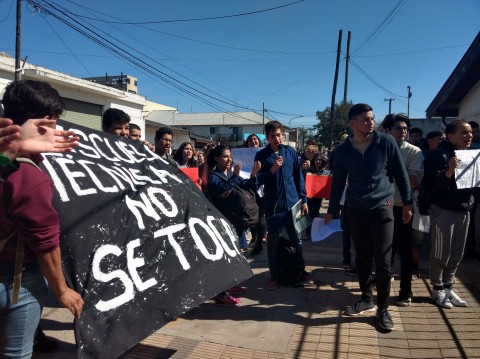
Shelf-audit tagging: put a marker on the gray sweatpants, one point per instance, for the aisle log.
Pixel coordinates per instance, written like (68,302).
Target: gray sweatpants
(449,234)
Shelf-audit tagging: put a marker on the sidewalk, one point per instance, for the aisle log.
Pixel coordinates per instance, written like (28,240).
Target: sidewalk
(308,322)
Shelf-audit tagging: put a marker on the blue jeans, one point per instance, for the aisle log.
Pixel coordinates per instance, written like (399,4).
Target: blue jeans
(19,321)
(242,239)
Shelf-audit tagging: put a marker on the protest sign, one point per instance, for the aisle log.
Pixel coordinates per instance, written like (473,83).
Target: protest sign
(318,186)
(191,173)
(246,156)
(139,240)
(321,231)
(467,173)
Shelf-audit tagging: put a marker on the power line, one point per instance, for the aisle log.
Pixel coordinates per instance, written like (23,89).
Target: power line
(148,57)
(378,30)
(68,48)
(372,80)
(204,42)
(139,40)
(193,19)
(127,56)
(414,52)
(8,13)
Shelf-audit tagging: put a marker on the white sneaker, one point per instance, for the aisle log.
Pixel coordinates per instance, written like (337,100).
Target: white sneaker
(441,298)
(455,298)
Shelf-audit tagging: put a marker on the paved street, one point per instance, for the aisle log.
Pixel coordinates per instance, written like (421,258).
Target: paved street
(308,322)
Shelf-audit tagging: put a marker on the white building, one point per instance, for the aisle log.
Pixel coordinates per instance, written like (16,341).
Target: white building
(221,127)
(85,100)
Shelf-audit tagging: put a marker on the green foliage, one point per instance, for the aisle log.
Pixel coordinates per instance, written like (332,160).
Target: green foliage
(340,123)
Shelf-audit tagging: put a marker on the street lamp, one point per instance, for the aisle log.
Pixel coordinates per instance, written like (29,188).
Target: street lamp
(296,129)
(290,121)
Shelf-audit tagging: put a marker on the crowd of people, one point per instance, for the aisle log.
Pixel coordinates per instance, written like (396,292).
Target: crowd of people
(381,176)
(377,175)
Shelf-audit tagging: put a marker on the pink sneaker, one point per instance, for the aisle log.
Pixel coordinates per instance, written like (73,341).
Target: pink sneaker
(227,299)
(236,290)
(272,284)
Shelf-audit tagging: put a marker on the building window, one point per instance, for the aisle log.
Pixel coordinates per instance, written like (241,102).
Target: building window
(214,130)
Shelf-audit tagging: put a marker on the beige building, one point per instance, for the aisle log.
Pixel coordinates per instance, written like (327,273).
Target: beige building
(122,82)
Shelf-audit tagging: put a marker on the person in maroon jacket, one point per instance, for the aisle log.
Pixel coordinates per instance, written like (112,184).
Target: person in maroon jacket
(27,216)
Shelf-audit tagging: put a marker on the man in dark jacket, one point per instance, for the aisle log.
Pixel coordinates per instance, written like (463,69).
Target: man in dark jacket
(372,163)
(449,213)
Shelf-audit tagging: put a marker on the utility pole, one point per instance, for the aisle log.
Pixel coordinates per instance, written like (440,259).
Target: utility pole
(389,104)
(18,69)
(263,116)
(332,107)
(409,94)
(347,62)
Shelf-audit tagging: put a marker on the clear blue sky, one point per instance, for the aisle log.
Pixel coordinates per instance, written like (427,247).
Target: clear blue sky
(282,57)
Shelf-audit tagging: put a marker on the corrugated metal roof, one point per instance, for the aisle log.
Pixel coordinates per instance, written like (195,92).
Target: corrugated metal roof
(170,118)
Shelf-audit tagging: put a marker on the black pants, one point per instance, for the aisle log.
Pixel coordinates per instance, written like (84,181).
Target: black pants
(346,238)
(402,244)
(372,236)
(259,230)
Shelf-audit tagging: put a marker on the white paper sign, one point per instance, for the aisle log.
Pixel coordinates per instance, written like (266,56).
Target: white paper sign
(246,156)
(321,231)
(467,174)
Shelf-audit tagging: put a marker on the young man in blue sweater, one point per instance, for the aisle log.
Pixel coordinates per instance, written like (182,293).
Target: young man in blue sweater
(372,163)
(282,177)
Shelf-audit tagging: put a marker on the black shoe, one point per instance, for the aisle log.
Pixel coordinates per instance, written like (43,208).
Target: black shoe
(359,307)
(347,263)
(404,301)
(256,250)
(44,344)
(384,320)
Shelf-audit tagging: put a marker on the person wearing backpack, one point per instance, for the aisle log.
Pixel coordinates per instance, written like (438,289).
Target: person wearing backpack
(222,183)
(30,222)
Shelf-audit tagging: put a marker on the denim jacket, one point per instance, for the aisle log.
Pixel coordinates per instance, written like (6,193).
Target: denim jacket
(286,186)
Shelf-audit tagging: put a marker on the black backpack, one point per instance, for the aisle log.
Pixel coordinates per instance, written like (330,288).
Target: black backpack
(290,274)
(243,208)
(423,199)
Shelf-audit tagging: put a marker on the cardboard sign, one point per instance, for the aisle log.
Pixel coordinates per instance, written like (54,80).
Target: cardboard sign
(139,241)
(318,186)
(192,173)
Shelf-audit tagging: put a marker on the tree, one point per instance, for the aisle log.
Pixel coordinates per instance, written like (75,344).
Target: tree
(340,123)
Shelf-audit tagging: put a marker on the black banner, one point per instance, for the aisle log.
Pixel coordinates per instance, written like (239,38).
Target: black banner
(140,242)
